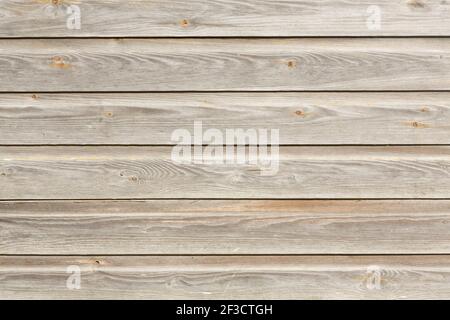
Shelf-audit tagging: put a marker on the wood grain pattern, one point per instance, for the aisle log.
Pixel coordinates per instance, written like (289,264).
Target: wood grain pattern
(302,118)
(162,18)
(224,227)
(87,179)
(149,172)
(316,64)
(301,277)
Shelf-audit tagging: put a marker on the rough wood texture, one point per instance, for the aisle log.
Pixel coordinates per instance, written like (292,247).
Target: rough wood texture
(331,277)
(224,64)
(302,118)
(159,18)
(224,227)
(225,231)
(149,172)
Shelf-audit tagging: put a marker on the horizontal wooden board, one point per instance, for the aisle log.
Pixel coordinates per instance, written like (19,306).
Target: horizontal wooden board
(302,118)
(159,18)
(224,227)
(67,65)
(237,277)
(149,172)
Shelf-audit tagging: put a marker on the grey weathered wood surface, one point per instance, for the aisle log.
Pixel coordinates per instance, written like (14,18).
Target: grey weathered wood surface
(302,118)
(62,65)
(191,227)
(100,172)
(235,277)
(170,244)
(163,18)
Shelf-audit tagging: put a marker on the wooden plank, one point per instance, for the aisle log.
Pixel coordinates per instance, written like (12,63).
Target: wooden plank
(302,118)
(150,172)
(224,64)
(235,277)
(159,18)
(224,227)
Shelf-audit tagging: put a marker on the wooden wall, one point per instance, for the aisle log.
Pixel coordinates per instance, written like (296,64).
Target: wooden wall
(360,206)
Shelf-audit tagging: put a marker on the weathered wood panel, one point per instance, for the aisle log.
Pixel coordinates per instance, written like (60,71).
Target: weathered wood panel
(302,118)
(171,238)
(159,18)
(149,172)
(224,64)
(238,277)
(224,227)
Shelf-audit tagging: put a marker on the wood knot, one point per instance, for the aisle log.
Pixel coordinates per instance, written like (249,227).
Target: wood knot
(300,113)
(58,62)
(109,114)
(418,125)
(184,23)
(57,3)
(416,3)
(34,97)
(424,109)
(292,64)
(6,172)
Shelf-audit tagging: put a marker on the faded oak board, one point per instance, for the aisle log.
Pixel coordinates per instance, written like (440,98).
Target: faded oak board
(224,64)
(302,118)
(167,18)
(149,172)
(236,277)
(224,227)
